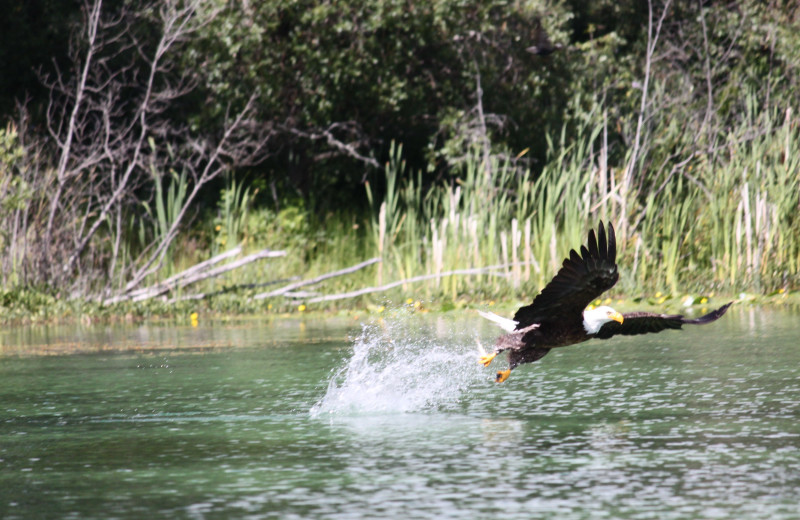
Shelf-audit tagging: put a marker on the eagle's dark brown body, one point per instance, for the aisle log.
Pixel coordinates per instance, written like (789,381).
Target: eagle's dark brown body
(557,316)
(521,344)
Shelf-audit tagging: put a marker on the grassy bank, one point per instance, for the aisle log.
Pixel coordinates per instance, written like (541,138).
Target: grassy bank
(40,308)
(676,122)
(717,222)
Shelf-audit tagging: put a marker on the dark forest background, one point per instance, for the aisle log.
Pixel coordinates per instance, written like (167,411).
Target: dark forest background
(141,137)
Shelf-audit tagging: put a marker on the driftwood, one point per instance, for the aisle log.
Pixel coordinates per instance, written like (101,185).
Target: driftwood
(195,274)
(287,288)
(301,294)
(202,296)
(172,280)
(197,268)
(352,294)
(233,288)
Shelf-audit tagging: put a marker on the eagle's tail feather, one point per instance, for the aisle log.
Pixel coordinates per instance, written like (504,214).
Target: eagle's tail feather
(504,323)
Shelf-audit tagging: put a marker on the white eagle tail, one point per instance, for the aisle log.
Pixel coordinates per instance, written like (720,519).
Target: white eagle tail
(504,323)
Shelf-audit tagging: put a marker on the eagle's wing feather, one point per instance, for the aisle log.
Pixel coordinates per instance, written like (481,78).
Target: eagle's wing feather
(645,322)
(582,278)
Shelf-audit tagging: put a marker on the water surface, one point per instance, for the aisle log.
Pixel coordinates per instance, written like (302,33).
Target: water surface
(397,420)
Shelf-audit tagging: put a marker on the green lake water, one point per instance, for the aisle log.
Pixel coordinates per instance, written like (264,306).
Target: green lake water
(334,420)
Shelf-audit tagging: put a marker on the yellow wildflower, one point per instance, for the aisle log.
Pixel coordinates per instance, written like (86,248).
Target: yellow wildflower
(301,307)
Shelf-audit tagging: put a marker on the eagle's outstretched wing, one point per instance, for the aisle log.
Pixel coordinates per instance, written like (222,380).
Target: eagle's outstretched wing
(645,322)
(581,279)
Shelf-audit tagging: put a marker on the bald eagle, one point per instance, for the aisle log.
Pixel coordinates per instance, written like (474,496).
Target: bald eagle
(558,315)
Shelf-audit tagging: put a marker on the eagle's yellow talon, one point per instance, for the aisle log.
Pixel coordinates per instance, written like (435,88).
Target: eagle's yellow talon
(502,376)
(487,358)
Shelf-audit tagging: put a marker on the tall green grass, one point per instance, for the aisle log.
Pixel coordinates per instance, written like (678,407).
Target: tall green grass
(724,222)
(752,216)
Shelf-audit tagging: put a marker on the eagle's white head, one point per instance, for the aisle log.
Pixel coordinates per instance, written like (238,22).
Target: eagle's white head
(595,318)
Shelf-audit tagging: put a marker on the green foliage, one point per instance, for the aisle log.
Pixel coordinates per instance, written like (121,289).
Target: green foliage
(233,208)
(31,303)
(167,208)
(366,73)
(489,155)
(724,222)
(444,76)
(15,192)
(16,195)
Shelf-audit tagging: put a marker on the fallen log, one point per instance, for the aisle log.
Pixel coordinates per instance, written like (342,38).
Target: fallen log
(193,275)
(287,288)
(234,288)
(172,280)
(421,278)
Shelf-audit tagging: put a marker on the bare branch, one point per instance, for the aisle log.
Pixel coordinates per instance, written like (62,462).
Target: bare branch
(707,65)
(239,152)
(652,41)
(491,271)
(93,23)
(136,147)
(194,275)
(286,289)
(348,149)
(109,119)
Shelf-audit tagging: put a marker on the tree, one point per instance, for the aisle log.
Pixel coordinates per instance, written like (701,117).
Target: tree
(116,136)
(339,82)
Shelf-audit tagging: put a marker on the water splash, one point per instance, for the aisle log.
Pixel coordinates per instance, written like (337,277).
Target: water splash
(398,367)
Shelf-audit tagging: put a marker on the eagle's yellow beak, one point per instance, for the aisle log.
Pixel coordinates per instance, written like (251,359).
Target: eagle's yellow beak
(616,317)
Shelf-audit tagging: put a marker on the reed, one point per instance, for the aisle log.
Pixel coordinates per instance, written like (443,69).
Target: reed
(232,213)
(752,219)
(163,211)
(725,221)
